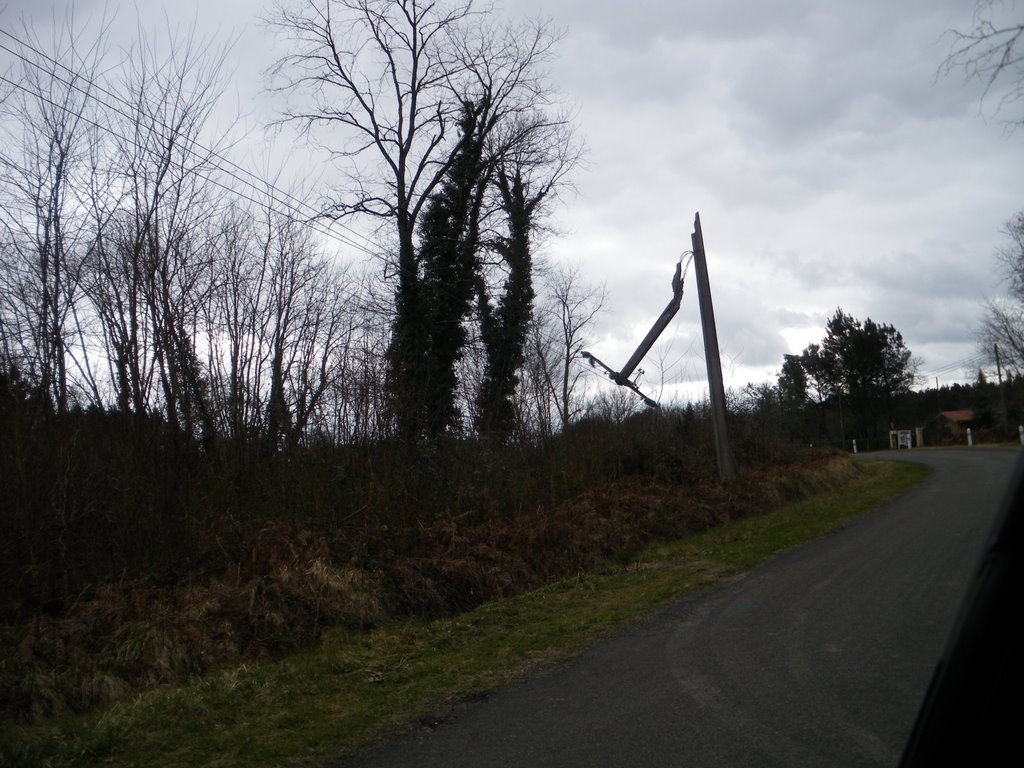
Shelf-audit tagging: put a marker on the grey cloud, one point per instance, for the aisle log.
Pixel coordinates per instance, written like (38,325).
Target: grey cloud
(829,165)
(788,318)
(754,344)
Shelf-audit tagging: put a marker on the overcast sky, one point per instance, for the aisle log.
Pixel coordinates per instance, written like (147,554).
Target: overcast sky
(830,165)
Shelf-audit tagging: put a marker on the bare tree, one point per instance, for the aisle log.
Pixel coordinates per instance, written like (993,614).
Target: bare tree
(616,405)
(234,328)
(1011,255)
(1002,322)
(310,331)
(277,329)
(991,52)
(153,267)
(358,399)
(45,124)
(561,330)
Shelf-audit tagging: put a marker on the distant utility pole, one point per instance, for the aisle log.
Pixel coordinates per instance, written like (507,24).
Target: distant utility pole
(1002,392)
(726,468)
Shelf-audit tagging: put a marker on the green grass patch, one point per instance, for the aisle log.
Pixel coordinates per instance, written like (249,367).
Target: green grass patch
(742,545)
(355,688)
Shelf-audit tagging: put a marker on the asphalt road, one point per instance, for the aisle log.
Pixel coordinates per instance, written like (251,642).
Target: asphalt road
(820,657)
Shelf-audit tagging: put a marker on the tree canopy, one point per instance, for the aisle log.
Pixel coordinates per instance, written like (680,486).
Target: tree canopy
(862,365)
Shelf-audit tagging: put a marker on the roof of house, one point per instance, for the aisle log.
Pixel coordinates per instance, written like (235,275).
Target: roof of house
(959,416)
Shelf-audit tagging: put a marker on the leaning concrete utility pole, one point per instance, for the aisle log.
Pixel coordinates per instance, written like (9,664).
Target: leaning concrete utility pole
(726,468)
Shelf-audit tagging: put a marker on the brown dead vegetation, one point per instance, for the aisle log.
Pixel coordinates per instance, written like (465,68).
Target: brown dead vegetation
(257,590)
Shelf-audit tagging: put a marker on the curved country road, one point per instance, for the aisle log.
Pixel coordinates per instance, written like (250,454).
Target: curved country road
(820,657)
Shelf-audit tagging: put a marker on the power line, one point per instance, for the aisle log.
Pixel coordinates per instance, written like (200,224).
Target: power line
(293,204)
(975,362)
(205,175)
(297,203)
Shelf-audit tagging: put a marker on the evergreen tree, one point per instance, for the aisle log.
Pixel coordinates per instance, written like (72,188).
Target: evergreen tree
(865,365)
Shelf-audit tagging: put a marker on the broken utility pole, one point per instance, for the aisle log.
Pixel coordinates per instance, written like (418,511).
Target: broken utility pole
(726,469)
(716,388)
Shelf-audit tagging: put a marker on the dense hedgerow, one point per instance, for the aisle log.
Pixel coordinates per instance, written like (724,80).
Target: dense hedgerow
(135,555)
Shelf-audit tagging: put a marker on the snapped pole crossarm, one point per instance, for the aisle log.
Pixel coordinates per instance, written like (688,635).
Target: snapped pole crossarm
(613,375)
(622,377)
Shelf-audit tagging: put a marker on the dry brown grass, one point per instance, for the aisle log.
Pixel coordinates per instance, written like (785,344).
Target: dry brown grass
(126,636)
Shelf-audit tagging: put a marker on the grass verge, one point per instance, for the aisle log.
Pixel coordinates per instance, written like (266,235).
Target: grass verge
(355,687)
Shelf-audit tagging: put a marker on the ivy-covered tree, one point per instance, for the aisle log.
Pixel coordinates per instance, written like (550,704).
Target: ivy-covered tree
(449,242)
(504,327)
(388,80)
(531,160)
